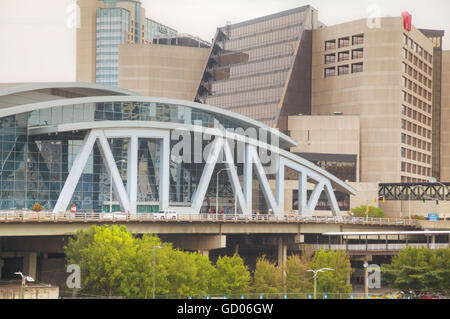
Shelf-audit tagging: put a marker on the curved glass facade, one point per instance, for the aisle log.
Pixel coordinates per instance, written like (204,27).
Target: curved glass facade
(35,166)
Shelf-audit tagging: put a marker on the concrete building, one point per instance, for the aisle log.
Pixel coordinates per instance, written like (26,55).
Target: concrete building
(445,116)
(436,37)
(104,26)
(159,70)
(383,75)
(261,68)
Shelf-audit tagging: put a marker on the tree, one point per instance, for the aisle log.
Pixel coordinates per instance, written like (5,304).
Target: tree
(37,207)
(267,278)
(374,212)
(419,270)
(334,281)
(106,256)
(231,276)
(298,279)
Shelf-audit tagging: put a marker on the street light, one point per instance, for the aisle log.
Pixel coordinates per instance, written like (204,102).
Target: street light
(433,180)
(110,187)
(154,263)
(316,273)
(24,280)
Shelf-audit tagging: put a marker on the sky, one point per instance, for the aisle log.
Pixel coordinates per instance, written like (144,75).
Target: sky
(37,37)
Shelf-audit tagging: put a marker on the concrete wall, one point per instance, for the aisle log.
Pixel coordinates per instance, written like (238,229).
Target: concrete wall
(445,118)
(32,291)
(86,41)
(375,94)
(403,208)
(161,70)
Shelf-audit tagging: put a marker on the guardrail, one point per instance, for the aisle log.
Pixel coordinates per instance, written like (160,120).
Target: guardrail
(26,216)
(376,247)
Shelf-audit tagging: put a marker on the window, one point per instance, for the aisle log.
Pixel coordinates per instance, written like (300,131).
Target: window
(357,54)
(330,45)
(344,42)
(330,72)
(344,56)
(357,67)
(330,58)
(343,69)
(358,39)
(403,138)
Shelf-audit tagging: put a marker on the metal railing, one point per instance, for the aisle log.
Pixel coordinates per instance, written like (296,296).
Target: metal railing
(376,247)
(27,216)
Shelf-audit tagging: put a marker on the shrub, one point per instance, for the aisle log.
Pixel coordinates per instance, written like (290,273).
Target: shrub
(373,211)
(37,207)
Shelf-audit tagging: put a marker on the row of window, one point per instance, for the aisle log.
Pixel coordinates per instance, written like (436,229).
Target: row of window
(417,62)
(417,48)
(416,129)
(416,169)
(344,56)
(344,42)
(416,142)
(344,69)
(408,98)
(410,85)
(422,78)
(416,156)
(264,26)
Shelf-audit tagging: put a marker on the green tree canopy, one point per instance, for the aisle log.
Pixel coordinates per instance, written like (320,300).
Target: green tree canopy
(267,278)
(374,212)
(230,277)
(334,281)
(298,279)
(420,270)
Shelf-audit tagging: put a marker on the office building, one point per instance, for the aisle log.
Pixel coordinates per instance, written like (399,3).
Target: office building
(261,68)
(170,68)
(104,26)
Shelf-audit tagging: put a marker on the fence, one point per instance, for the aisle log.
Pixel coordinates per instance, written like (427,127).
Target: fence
(26,216)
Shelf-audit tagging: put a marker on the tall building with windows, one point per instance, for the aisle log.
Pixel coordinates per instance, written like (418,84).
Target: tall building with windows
(445,116)
(261,68)
(436,37)
(385,76)
(104,26)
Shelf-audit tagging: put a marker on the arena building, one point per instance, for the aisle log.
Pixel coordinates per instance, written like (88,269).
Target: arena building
(106,149)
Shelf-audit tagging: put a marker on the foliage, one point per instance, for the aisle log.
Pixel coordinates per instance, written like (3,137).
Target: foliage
(418,217)
(420,270)
(298,279)
(267,278)
(374,212)
(37,208)
(230,277)
(334,281)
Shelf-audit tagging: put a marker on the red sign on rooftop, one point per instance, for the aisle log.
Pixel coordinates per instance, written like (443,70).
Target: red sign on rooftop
(407,20)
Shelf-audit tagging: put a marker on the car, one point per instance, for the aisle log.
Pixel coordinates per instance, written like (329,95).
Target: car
(166,214)
(115,216)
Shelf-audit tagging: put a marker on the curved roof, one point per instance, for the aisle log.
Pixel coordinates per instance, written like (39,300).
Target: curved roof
(19,94)
(285,140)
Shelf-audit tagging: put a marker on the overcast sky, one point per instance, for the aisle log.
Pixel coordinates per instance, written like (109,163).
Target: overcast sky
(37,37)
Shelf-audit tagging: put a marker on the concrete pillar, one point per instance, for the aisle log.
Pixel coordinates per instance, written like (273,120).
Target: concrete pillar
(205,253)
(282,252)
(1,266)
(433,239)
(366,276)
(29,264)
(237,249)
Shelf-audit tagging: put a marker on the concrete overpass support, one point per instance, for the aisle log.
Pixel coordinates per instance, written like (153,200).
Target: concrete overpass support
(282,252)
(29,264)
(202,243)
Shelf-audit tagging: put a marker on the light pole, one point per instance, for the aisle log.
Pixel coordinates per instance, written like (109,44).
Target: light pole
(110,187)
(434,181)
(154,268)
(316,273)
(24,280)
